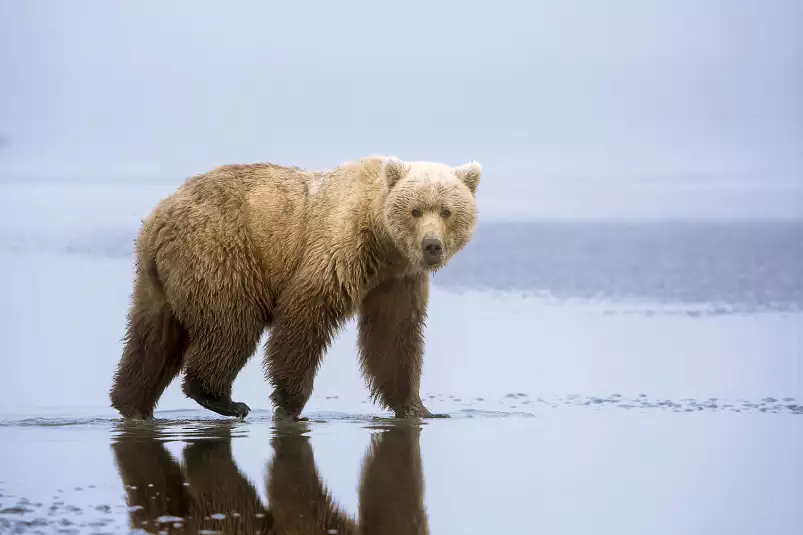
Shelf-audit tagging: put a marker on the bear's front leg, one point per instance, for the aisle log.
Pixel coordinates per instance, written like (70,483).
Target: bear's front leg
(299,337)
(391,343)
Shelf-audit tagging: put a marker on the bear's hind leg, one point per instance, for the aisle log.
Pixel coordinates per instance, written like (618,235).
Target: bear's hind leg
(390,340)
(152,354)
(213,359)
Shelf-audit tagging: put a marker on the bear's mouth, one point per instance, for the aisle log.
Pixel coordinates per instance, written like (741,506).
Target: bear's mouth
(431,265)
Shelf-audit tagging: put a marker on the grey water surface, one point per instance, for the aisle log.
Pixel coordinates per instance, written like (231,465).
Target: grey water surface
(752,265)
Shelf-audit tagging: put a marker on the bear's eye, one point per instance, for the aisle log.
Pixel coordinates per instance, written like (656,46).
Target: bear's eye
(446,213)
(416,212)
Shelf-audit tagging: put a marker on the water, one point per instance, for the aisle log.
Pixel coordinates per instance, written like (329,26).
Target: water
(738,266)
(601,377)
(576,471)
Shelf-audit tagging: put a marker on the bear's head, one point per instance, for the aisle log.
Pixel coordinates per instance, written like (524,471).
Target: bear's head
(430,210)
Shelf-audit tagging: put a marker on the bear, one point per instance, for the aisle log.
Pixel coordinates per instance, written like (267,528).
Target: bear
(246,248)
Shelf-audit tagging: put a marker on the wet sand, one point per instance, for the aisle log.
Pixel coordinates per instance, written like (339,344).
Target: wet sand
(577,465)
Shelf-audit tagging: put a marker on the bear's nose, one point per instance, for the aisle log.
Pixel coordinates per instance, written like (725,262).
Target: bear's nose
(433,249)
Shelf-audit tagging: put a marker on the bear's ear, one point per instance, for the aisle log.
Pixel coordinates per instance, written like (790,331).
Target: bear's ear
(393,170)
(469,174)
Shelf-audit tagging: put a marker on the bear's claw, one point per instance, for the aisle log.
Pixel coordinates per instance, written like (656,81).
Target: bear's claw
(241,409)
(226,408)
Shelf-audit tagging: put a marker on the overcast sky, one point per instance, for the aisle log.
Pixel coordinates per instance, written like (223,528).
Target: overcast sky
(698,93)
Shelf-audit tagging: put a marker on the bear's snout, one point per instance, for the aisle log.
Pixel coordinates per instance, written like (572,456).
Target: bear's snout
(433,250)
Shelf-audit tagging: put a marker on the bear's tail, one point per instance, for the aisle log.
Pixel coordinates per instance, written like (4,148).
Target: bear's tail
(153,348)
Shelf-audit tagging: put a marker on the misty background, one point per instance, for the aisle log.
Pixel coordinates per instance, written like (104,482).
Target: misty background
(576,109)
(645,303)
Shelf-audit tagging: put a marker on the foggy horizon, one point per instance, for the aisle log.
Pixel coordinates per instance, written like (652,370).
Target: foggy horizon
(648,109)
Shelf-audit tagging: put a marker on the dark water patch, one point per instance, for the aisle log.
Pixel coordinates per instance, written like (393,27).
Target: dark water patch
(732,267)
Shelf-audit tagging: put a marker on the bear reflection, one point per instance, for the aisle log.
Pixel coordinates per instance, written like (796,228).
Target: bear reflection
(209,494)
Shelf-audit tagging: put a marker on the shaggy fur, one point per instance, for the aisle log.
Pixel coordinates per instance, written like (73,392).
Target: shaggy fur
(249,247)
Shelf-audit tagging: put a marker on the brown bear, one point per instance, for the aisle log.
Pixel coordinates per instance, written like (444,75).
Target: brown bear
(243,248)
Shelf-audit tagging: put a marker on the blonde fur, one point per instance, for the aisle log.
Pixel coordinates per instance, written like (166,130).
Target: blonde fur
(245,247)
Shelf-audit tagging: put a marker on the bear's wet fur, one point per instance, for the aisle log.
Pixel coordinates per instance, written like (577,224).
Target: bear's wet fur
(244,248)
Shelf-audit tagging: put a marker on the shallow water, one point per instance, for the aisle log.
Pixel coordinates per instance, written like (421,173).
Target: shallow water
(610,378)
(584,469)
